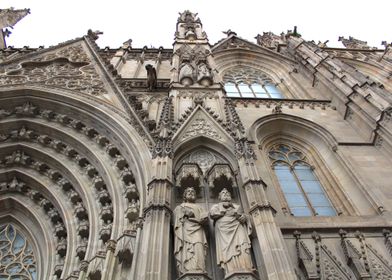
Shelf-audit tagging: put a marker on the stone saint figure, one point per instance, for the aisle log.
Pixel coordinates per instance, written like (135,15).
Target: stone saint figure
(190,243)
(232,230)
(186,71)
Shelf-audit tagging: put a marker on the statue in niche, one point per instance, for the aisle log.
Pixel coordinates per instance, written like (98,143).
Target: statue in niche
(151,77)
(186,73)
(232,230)
(203,73)
(190,243)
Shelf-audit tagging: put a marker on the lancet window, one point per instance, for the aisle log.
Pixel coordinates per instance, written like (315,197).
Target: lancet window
(17,260)
(249,83)
(302,190)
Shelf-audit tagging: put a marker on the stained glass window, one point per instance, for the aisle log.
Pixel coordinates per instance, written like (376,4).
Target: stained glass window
(17,259)
(249,83)
(302,190)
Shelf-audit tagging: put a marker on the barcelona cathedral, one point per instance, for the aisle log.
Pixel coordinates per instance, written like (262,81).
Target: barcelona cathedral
(268,158)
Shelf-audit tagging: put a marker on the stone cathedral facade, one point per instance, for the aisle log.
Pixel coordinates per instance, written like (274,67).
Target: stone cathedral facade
(236,160)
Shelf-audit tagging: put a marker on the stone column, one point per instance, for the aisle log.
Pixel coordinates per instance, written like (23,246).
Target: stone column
(154,252)
(275,256)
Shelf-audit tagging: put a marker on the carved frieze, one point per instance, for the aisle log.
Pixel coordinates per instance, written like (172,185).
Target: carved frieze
(203,127)
(68,68)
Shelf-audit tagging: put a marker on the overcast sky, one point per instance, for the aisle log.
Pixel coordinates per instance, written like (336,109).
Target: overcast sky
(152,22)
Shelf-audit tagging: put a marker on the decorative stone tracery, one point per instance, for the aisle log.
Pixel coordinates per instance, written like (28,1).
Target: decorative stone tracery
(17,258)
(68,68)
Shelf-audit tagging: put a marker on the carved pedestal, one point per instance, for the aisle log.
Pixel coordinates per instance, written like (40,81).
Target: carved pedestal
(194,276)
(246,275)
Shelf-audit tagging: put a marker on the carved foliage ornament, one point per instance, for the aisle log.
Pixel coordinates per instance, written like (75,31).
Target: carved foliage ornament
(68,68)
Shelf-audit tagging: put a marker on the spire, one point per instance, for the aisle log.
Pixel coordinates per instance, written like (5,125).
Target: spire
(192,62)
(189,27)
(8,18)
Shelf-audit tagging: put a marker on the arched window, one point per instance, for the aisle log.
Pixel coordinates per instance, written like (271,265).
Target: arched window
(249,83)
(302,190)
(17,259)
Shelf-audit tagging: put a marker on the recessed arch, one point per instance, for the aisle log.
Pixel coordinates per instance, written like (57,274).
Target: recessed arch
(42,196)
(103,134)
(274,66)
(35,227)
(107,119)
(315,141)
(205,142)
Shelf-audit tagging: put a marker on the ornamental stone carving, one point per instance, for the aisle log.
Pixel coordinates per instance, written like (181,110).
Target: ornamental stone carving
(269,40)
(198,127)
(189,175)
(190,244)
(189,27)
(232,230)
(67,68)
(352,43)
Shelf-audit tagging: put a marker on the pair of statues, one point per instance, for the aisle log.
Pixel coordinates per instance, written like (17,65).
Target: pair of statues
(232,230)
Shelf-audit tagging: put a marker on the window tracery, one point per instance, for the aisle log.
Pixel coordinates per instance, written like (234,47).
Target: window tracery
(251,83)
(302,190)
(17,260)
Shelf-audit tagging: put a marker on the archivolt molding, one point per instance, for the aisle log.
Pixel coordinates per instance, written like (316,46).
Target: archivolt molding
(70,122)
(87,167)
(60,133)
(55,215)
(48,197)
(267,125)
(276,70)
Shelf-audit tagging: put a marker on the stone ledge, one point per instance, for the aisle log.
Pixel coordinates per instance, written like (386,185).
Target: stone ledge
(245,275)
(194,276)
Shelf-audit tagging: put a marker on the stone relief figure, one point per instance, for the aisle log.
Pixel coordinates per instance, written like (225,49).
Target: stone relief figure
(186,73)
(190,243)
(203,73)
(151,77)
(232,230)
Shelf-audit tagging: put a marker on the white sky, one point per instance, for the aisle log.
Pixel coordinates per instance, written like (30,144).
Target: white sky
(152,22)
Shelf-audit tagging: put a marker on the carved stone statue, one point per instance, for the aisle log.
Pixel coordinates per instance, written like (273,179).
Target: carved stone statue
(204,74)
(186,73)
(151,77)
(190,243)
(232,230)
